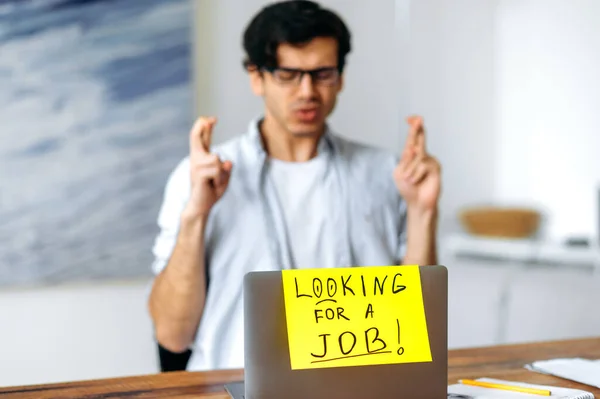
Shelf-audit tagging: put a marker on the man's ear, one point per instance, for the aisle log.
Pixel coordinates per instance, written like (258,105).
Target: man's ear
(256,81)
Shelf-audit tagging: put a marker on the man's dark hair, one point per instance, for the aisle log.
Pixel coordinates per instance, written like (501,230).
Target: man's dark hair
(293,22)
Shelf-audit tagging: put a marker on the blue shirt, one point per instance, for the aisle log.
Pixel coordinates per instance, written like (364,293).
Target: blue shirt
(246,230)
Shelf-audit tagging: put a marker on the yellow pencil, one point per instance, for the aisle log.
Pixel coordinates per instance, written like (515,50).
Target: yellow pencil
(534,391)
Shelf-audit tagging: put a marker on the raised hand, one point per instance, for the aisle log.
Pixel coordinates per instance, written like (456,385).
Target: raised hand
(209,175)
(418,175)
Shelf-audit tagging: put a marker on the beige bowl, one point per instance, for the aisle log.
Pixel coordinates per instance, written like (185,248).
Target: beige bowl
(500,222)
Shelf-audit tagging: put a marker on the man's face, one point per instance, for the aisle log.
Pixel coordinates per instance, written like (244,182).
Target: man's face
(300,103)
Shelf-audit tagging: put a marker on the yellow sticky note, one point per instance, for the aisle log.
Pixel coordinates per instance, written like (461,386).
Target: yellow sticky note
(356,316)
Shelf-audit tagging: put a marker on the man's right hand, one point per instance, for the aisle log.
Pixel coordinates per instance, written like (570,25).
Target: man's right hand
(209,175)
(179,292)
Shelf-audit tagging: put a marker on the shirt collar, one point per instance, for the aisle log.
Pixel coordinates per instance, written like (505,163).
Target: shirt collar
(326,144)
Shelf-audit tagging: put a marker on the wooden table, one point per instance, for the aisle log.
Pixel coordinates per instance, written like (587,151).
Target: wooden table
(504,362)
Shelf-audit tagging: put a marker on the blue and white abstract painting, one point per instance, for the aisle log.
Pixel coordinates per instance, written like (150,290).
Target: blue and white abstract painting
(95,107)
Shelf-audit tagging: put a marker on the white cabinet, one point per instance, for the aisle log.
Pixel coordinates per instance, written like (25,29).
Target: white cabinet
(512,299)
(475,293)
(549,303)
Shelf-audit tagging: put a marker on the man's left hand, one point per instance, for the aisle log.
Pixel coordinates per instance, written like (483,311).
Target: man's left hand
(418,174)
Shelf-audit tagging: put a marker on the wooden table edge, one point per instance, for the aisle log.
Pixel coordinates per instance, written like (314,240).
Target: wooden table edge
(500,361)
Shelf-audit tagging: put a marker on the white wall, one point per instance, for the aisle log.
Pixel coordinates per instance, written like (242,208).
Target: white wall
(548,97)
(75,332)
(452,85)
(510,92)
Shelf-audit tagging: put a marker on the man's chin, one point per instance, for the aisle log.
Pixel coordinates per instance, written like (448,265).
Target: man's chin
(304,129)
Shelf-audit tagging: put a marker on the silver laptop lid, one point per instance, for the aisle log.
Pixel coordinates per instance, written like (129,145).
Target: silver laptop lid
(268,373)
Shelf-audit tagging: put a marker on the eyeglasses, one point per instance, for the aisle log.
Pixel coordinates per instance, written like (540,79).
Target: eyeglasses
(290,76)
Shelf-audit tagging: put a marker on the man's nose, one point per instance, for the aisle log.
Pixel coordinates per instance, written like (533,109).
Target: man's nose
(307,86)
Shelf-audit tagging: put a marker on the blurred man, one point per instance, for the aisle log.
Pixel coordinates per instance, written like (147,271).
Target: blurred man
(287,194)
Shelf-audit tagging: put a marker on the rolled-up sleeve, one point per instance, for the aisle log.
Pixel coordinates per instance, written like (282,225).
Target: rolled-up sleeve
(176,194)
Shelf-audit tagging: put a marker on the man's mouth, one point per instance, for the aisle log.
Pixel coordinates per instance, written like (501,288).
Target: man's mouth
(307,114)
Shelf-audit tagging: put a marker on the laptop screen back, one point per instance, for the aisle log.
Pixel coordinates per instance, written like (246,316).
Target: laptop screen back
(268,374)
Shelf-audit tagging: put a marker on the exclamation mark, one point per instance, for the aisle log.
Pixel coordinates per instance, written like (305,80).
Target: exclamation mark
(400,348)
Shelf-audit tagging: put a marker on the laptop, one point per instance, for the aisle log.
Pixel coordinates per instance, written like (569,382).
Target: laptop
(268,373)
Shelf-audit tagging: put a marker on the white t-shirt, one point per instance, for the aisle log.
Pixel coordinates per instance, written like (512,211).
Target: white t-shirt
(304,193)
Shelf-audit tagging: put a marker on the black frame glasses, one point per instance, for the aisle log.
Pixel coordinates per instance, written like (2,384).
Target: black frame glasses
(328,76)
